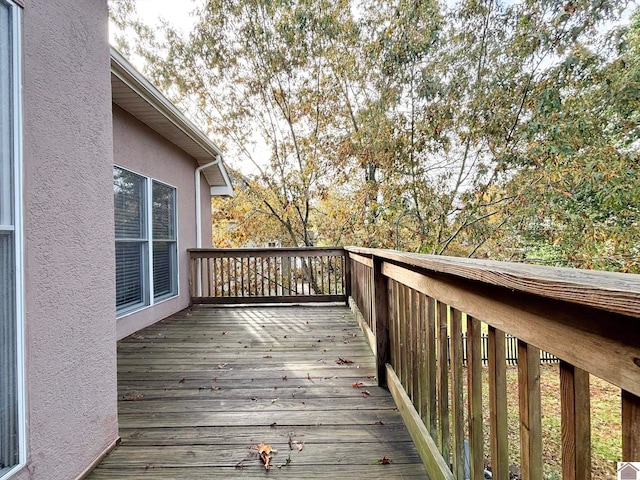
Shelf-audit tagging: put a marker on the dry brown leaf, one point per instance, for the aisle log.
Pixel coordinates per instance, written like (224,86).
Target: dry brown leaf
(182,380)
(342,361)
(357,384)
(365,393)
(222,365)
(267,356)
(133,397)
(265,451)
(384,460)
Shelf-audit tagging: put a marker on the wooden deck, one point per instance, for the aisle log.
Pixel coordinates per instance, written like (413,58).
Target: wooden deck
(199,390)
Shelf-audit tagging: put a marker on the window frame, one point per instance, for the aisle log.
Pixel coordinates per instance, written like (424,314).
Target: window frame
(16,227)
(147,255)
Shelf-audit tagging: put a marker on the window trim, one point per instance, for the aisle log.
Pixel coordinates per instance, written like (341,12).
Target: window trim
(147,286)
(17,228)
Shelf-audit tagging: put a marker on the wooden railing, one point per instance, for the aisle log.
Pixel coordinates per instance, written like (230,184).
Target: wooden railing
(268,275)
(414,310)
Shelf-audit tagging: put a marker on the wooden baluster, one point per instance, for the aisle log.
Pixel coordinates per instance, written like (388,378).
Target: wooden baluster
(418,353)
(432,415)
(382,319)
(498,404)
(228,282)
(443,381)
(630,427)
(408,342)
(423,364)
(393,314)
(474,396)
(576,422)
(530,411)
(215,276)
(402,319)
(457,398)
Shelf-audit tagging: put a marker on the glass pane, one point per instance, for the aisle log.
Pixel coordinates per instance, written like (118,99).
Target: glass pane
(8,355)
(130,275)
(129,204)
(164,212)
(6,116)
(164,269)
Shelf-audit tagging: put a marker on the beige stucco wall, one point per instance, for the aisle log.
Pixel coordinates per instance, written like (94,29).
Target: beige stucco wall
(141,150)
(70,360)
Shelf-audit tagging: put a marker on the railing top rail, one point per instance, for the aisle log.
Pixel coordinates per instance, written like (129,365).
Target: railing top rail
(267,252)
(265,249)
(609,291)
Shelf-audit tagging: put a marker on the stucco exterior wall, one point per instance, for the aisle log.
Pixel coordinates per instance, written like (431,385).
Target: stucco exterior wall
(70,364)
(143,151)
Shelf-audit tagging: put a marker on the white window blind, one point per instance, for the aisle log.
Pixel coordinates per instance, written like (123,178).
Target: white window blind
(146,245)
(164,241)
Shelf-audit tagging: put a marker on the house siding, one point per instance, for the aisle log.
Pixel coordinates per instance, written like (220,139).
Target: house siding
(141,150)
(70,327)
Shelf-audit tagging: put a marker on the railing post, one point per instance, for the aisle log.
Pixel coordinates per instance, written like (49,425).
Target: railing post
(347,276)
(381,317)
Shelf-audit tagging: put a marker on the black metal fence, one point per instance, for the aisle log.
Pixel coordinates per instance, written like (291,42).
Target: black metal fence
(511,348)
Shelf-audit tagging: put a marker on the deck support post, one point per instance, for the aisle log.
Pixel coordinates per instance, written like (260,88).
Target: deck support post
(381,320)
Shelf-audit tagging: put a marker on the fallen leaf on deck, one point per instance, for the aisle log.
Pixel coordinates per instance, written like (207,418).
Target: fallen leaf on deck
(342,361)
(132,397)
(222,365)
(284,377)
(383,461)
(253,399)
(224,333)
(265,451)
(182,380)
(379,422)
(215,388)
(309,377)
(365,393)
(357,384)
(273,425)
(267,356)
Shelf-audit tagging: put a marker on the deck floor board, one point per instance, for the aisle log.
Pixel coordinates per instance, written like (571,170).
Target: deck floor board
(197,390)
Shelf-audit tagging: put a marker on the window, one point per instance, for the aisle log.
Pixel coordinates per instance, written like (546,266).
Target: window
(146,244)
(11,391)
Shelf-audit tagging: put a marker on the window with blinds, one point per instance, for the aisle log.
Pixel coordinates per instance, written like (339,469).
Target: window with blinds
(146,241)
(11,429)
(164,241)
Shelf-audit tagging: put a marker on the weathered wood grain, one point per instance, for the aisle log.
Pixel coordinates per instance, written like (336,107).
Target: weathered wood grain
(498,404)
(609,291)
(433,460)
(630,427)
(576,423)
(530,411)
(198,389)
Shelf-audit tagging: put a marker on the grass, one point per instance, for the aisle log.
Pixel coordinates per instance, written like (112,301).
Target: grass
(606,446)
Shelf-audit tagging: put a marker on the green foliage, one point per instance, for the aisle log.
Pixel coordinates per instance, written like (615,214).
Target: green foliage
(490,130)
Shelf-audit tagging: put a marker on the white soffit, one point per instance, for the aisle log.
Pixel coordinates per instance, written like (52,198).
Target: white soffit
(132,92)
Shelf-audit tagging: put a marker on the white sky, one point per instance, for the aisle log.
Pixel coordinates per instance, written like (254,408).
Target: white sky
(176,12)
